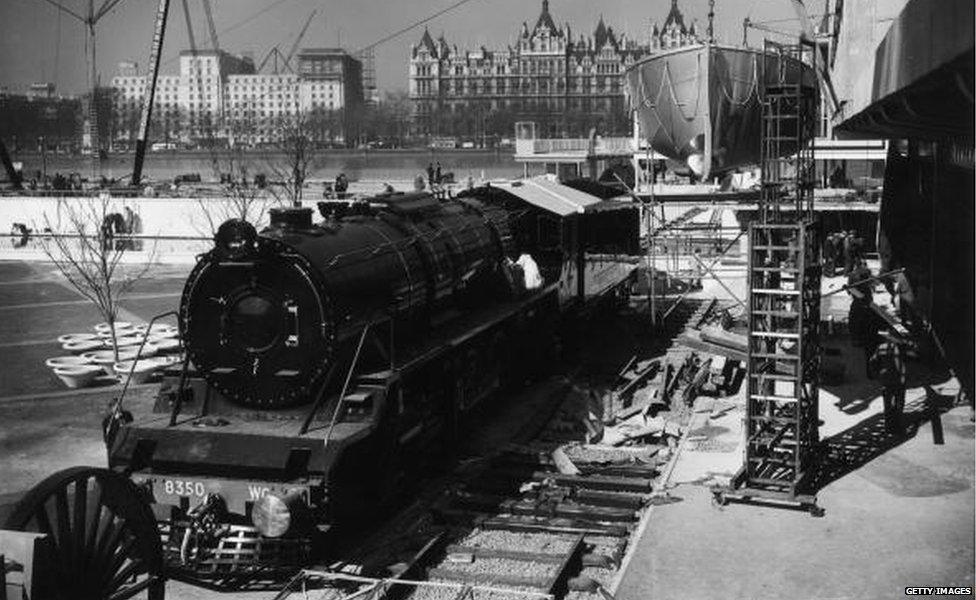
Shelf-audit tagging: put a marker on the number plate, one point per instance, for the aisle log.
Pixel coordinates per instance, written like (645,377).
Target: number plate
(182,487)
(236,493)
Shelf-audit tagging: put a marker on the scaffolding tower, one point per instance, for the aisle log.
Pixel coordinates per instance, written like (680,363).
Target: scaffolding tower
(784,272)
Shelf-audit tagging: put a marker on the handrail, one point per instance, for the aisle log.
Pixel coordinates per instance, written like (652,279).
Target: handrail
(125,386)
(345,385)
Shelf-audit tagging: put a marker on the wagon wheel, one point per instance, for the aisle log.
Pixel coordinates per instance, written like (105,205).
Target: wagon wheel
(104,539)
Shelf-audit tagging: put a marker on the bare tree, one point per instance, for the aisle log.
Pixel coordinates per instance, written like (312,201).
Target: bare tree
(241,196)
(80,241)
(299,156)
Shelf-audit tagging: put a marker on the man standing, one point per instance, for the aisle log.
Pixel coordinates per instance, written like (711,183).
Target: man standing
(863,323)
(903,299)
(430,174)
(889,367)
(828,256)
(848,252)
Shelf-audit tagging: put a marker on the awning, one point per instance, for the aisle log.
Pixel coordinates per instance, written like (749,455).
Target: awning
(551,196)
(918,83)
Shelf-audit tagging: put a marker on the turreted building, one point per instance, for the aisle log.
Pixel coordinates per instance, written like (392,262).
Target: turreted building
(565,83)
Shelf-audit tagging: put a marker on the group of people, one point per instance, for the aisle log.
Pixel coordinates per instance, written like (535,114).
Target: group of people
(435,176)
(116,224)
(59,182)
(841,250)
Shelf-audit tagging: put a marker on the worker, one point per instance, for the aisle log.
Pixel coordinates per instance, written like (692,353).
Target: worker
(128,222)
(533,279)
(340,185)
(903,299)
(828,256)
(889,367)
(437,173)
(430,174)
(860,275)
(838,251)
(134,225)
(848,252)
(857,245)
(864,324)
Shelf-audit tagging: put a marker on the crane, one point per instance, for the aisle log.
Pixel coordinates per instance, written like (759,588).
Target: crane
(155,52)
(276,54)
(286,58)
(208,9)
(298,40)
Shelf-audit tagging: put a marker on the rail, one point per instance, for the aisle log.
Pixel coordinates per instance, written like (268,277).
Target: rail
(373,585)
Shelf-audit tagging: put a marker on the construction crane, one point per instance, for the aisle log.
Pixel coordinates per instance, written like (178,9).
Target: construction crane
(285,59)
(155,52)
(273,53)
(298,40)
(208,9)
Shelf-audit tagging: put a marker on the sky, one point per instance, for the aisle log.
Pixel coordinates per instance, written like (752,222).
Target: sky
(40,43)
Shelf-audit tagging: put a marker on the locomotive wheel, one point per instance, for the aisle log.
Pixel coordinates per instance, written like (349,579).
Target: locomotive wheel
(104,539)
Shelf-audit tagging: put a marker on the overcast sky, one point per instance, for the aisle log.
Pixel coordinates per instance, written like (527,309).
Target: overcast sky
(34,46)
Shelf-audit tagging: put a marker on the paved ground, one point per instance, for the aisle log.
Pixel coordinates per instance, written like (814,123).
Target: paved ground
(37,305)
(899,510)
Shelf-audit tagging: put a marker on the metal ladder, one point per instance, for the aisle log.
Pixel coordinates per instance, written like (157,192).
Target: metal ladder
(784,274)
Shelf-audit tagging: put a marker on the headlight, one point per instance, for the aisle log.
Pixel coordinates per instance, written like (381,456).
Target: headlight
(274,516)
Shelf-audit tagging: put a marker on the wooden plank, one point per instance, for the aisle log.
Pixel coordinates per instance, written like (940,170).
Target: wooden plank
(573,563)
(721,337)
(599,482)
(487,578)
(691,340)
(569,526)
(541,557)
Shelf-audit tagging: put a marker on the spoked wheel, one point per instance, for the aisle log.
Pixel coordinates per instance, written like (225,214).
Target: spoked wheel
(104,537)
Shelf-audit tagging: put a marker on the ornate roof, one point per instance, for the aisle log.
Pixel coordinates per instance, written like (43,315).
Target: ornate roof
(427,42)
(545,19)
(600,34)
(675,16)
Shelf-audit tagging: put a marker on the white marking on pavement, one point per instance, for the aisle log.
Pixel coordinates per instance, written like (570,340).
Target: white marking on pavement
(28,343)
(123,312)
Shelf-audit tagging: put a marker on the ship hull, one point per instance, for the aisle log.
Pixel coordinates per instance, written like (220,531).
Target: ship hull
(700,105)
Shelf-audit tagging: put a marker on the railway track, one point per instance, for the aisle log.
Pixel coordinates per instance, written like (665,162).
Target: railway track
(514,525)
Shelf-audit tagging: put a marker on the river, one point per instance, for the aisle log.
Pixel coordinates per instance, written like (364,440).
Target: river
(358,165)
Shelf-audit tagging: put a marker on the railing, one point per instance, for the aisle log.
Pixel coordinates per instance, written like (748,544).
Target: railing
(609,145)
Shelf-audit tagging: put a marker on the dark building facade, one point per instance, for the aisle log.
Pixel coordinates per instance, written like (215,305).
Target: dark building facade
(29,121)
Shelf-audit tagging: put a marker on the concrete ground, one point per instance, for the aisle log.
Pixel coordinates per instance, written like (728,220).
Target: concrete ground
(37,305)
(899,509)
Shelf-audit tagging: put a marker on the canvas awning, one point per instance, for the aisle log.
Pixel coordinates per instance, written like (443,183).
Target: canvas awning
(551,196)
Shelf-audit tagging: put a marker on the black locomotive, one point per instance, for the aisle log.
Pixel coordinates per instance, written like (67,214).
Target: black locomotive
(325,359)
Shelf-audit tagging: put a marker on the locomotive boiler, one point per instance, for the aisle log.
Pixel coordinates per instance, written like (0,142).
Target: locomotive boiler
(325,361)
(266,317)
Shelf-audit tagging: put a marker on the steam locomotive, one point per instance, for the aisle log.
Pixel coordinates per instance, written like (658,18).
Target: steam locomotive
(324,360)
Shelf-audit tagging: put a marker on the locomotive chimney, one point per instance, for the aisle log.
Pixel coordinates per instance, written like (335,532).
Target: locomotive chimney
(291,217)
